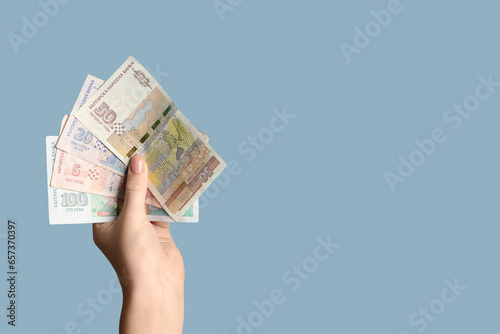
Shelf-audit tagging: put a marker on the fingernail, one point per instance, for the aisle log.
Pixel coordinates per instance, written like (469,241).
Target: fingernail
(137,165)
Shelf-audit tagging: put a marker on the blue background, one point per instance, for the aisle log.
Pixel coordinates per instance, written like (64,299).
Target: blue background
(323,174)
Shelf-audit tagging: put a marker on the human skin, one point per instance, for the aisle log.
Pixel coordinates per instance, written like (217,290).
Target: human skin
(148,263)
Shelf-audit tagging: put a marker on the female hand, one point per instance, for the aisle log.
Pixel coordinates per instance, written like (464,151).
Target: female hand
(147,261)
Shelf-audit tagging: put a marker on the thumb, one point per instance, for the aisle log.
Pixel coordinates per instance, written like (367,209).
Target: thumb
(136,187)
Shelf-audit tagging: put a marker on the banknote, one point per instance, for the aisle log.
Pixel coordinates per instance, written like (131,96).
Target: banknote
(74,173)
(90,86)
(79,141)
(131,113)
(70,207)
(88,89)
(63,123)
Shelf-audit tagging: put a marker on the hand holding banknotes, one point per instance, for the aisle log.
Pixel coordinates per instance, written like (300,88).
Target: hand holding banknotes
(114,123)
(148,263)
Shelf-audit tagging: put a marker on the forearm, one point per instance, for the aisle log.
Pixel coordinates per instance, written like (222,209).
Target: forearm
(152,310)
(147,261)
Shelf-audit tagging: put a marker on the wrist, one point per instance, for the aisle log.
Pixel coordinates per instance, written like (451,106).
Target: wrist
(149,307)
(139,291)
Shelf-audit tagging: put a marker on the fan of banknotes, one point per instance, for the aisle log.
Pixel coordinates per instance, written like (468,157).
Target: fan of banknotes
(112,120)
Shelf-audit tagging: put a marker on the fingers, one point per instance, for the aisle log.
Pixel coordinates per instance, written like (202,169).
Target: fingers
(136,187)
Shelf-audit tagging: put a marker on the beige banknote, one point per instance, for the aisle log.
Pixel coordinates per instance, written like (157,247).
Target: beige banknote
(131,113)
(90,86)
(77,140)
